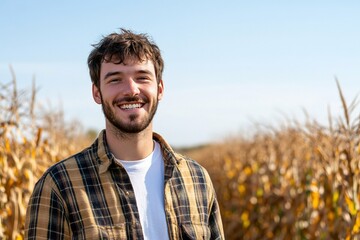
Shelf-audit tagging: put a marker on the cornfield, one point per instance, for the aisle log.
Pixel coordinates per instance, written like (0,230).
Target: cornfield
(297,181)
(32,137)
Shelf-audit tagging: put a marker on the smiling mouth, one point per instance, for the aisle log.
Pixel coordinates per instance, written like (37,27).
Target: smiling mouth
(129,106)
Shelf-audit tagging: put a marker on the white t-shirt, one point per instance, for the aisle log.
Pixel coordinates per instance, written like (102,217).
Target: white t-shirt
(147,178)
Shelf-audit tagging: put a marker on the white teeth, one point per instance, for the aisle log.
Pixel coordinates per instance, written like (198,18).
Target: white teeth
(131,106)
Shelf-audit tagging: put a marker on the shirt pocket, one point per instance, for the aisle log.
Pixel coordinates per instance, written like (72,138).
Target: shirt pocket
(194,231)
(117,232)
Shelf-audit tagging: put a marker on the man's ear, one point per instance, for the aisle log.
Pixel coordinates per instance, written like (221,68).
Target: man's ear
(160,89)
(96,94)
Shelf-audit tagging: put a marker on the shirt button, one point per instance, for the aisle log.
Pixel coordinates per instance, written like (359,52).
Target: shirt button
(127,193)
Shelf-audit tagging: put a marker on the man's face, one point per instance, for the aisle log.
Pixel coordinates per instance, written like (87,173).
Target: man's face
(129,94)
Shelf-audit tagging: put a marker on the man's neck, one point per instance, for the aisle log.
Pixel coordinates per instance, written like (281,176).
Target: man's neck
(129,147)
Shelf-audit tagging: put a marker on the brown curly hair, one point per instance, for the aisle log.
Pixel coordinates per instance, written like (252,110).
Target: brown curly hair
(121,47)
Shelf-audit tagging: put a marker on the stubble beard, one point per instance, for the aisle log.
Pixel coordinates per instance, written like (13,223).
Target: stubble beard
(124,127)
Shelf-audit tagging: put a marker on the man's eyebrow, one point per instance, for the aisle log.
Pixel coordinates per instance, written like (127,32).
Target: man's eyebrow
(109,74)
(142,71)
(145,72)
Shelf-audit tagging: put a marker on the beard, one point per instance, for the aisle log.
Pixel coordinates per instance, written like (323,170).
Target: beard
(132,124)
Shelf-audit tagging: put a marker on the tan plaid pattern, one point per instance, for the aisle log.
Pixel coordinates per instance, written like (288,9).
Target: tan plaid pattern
(89,196)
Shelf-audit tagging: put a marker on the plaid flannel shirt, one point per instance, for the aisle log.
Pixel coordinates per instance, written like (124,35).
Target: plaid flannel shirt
(89,196)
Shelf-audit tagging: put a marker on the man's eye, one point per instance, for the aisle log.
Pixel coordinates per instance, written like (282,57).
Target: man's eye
(143,78)
(114,80)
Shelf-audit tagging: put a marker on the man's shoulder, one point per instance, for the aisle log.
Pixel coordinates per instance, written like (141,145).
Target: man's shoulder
(188,160)
(69,164)
(189,163)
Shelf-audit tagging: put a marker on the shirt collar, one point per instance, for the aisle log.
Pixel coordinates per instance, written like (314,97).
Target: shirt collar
(106,158)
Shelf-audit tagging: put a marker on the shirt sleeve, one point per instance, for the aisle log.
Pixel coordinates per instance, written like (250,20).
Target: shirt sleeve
(215,222)
(46,215)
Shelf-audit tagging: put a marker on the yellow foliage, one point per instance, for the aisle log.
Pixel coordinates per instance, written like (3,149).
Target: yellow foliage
(248,171)
(356,227)
(335,197)
(351,205)
(296,182)
(315,199)
(26,152)
(241,189)
(231,173)
(245,219)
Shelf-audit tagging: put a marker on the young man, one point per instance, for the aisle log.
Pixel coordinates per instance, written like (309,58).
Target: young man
(129,184)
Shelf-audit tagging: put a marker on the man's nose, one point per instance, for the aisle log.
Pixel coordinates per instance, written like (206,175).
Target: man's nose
(131,88)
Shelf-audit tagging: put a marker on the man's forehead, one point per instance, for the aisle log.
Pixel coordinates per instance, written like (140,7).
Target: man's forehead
(127,67)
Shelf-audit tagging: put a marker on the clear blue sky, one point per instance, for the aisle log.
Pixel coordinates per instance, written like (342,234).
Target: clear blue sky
(227,63)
